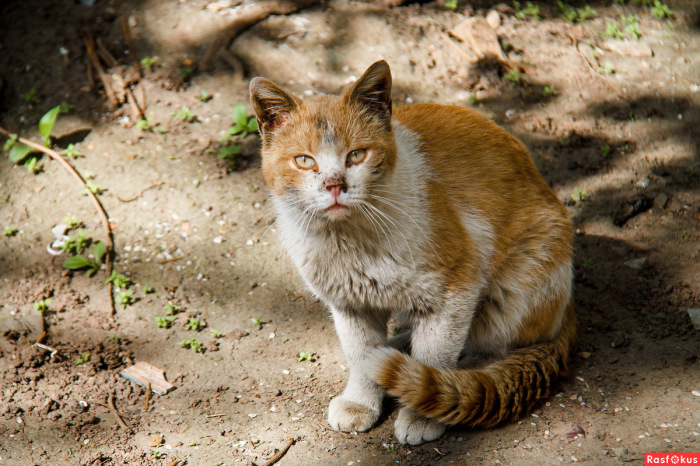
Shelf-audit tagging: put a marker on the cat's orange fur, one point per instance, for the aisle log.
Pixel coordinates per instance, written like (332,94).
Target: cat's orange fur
(446,224)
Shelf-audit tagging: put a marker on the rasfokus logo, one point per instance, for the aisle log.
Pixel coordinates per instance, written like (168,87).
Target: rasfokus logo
(671,458)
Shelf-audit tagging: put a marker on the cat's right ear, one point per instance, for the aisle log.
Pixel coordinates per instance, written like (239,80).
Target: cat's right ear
(271,103)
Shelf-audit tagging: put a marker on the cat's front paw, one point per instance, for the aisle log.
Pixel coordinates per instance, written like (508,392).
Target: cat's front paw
(414,429)
(349,416)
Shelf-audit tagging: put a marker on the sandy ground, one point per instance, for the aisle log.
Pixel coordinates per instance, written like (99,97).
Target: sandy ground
(619,148)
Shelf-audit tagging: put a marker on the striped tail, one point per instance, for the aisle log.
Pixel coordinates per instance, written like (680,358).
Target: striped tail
(499,392)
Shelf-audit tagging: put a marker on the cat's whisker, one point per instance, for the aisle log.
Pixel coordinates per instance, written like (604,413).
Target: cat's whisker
(396,228)
(368,214)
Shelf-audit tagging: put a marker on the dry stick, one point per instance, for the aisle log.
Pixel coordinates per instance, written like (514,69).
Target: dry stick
(110,400)
(148,397)
(104,54)
(132,199)
(247,16)
(280,454)
(104,77)
(592,70)
(51,349)
(105,219)
(130,46)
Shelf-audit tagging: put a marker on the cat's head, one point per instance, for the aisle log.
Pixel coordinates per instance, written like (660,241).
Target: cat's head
(324,154)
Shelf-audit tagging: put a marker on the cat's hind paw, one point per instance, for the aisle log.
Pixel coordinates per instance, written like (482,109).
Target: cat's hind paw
(413,429)
(349,416)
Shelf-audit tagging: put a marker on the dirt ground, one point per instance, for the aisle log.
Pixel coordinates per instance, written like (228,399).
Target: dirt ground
(620,146)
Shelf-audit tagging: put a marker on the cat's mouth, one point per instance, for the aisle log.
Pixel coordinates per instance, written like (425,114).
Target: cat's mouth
(337,210)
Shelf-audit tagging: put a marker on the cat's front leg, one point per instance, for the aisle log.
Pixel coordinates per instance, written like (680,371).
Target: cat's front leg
(437,341)
(359,406)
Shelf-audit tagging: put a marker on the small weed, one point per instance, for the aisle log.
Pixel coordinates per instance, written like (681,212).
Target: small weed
(80,262)
(64,107)
(71,221)
(193,324)
(576,15)
(192,444)
(94,188)
(114,338)
(605,150)
(193,344)
(306,356)
(258,322)
(118,280)
(229,152)
(75,244)
(691,170)
(587,263)
(185,115)
(661,10)
(84,357)
(451,4)
(215,334)
(146,124)
(125,298)
(579,196)
(148,289)
(473,99)
(156,454)
(71,152)
(684,233)
(204,96)
(149,62)
(255,188)
(30,97)
(564,141)
(32,166)
(516,77)
(10,231)
(631,25)
(625,148)
(548,91)
(171,309)
(242,125)
(632,117)
(43,305)
(164,322)
(530,10)
(607,68)
(186,72)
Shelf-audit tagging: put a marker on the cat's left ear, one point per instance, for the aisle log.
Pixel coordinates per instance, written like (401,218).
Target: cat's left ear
(271,103)
(373,90)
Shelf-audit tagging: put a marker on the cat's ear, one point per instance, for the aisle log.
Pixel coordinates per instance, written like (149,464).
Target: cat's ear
(373,90)
(271,103)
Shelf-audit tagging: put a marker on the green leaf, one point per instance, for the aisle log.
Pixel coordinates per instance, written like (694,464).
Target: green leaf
(19,152)
(46,124)
(240,115)
(76,263)
(98,251)
(252,125)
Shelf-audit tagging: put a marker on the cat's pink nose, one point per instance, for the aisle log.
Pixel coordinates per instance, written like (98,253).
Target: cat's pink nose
(335,192)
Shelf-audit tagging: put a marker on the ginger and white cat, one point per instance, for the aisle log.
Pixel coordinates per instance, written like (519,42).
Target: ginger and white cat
(438,217)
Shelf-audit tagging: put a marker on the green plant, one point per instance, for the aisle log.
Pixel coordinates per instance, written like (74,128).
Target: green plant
(149,62)
(192,444)
(171,309)
(587,263)
(76,243)
(19,152)
(94,188)
(204,96)
(576,15)
(579,196)
(32,166)
(146,124)
(119,280)
(451,4)
(242,125)
(30,97)
(258,322)
(71,152)
(84,357)
(548,91)
(193,344)
(193,324)
(229,152)
(185,115)
(632,117)
(125,298)
(605,150)
(71,221)
(612,29)
(516,77)
(564,141)
(661,10)
(80,262)
(186,72)
(10,231)
(530,9)
(114,338)
(607,68)
(306,356)
(43,305)
(148,289)
(215,334)
(65,107)
(164,321)
(156,454)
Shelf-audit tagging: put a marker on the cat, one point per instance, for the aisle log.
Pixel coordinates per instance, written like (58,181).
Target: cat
(436,216)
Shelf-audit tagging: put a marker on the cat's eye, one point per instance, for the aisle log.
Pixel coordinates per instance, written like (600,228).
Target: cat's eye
(304,161)
(356,156)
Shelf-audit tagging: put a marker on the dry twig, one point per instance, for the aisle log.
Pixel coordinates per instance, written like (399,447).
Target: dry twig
(104,77)
(592,70)
(132,199)
(110,400)
(130,45)
(148,397)
(280,454)
(109,243)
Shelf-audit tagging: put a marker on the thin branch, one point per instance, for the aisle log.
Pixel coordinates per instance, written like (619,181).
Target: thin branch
(109,243)
(280,454)
(110,400)
(132,199)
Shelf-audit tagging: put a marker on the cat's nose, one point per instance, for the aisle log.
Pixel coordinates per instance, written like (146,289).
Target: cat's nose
(335,183)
